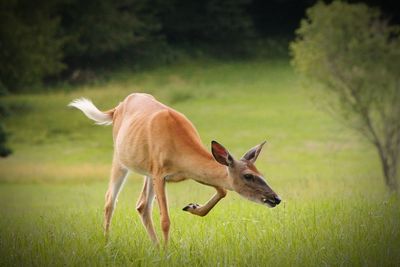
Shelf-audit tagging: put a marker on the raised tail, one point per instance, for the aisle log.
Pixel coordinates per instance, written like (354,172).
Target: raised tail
(90,110)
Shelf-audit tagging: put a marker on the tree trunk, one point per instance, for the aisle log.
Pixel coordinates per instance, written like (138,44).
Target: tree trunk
(389,173)
(393,183)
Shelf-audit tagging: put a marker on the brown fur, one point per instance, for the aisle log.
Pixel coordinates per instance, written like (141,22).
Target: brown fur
(162,144)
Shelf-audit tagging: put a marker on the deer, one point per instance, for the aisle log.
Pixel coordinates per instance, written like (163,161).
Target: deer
(160,143)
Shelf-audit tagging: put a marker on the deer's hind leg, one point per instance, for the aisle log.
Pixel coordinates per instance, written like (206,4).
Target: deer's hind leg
(118,175)
(145,206)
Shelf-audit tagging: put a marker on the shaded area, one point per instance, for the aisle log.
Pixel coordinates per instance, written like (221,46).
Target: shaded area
(71,39)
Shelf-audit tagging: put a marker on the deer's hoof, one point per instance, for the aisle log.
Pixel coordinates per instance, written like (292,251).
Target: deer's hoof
(191,207)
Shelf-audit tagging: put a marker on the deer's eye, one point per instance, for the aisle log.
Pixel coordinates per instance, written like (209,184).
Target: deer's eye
(248,177)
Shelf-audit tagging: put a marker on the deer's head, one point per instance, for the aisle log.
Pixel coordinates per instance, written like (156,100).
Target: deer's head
(245,178)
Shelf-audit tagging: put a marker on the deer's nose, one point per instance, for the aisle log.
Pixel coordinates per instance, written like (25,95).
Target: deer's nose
(277,200)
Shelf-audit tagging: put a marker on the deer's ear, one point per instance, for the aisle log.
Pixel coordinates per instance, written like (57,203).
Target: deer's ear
(253,153)
(221,154)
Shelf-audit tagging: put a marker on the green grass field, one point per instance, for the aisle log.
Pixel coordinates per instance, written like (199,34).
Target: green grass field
(335,210)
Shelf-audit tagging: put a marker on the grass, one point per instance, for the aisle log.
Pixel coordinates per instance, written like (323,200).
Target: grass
(335,210)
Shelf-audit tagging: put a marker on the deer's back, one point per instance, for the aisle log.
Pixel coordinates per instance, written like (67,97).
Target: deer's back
(150,137)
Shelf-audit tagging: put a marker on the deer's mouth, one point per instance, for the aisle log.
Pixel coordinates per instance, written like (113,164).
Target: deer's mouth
(269,202)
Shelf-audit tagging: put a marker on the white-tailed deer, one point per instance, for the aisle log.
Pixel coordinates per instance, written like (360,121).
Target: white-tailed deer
(162,144)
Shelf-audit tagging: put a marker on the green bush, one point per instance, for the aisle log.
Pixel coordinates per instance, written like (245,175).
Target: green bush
(40,39)
(4,150)
(354,55)
(30,48)
(97,31)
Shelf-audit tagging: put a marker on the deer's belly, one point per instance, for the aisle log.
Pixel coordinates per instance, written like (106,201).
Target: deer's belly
(178,177)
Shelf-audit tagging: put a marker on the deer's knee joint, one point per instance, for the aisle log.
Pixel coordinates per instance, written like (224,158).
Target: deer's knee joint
(165,224)
(108,208)
(140,207)
(222,193)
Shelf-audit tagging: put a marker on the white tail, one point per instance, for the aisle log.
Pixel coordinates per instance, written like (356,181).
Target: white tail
(90,110)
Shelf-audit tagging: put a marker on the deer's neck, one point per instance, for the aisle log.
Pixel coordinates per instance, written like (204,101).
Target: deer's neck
(210,172)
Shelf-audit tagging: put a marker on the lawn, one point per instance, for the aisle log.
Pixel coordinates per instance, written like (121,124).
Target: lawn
(335,208)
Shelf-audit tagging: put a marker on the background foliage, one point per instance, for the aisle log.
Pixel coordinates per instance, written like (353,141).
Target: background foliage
(40,39)
(30,46)
(71,40)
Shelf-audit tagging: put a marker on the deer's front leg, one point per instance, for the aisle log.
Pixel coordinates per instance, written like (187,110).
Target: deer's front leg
(203,210)
(159,188)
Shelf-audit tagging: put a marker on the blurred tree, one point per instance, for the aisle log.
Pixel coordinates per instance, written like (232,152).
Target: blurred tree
(352,53)
(205,21)
(4,150)
(97,29)
(29,47)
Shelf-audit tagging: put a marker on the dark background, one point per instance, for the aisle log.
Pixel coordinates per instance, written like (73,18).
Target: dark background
(45,42)
(278,17)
